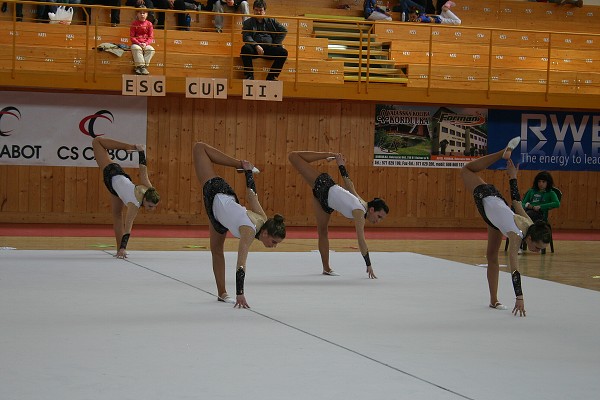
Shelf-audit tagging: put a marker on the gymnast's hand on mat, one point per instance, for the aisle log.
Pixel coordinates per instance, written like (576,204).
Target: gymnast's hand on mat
(370,272)
(122,253)
(519,308)
(240,302)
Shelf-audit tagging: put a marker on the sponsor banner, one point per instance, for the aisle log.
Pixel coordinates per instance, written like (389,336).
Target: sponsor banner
(56,129)
(428,136)
(550,140)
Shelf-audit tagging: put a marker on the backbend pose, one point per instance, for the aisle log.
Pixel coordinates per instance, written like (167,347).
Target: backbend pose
(502,220)
(124,192)
(329,197)
(226,214)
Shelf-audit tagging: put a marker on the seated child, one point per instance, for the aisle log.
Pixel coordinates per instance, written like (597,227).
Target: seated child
(446,16)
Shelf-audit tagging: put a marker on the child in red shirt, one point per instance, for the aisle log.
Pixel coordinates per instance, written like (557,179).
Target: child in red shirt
(142,35)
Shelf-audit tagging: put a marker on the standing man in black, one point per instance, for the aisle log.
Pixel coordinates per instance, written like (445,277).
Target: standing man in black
(263,37)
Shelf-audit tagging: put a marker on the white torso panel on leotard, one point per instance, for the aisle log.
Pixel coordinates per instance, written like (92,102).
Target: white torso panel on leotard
(231,214)
(343,201)
(125,189)
(501,215)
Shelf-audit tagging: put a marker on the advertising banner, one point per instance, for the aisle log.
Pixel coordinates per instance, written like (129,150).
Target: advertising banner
(56,129)
(550,140)
(427,136)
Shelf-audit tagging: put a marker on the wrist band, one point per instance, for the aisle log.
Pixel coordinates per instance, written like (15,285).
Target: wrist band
(367,259)
(124,240)
(514,190)
(250,180)
(142,155)
(343,171)
(516,281)
(240,274)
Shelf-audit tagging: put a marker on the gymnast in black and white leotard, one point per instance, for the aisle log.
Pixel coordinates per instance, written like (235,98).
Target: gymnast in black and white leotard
(501,220)
(226,214)
(328,196)
(124,192)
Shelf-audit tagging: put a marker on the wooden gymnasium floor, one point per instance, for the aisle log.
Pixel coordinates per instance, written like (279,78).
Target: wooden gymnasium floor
(576,260)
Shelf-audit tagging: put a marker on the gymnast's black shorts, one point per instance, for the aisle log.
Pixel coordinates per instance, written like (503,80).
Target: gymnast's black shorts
(323,183)
(211,188)
(111,170)
(482,191)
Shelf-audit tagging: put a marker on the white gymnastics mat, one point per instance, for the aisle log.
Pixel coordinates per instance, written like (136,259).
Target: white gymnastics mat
(83,325)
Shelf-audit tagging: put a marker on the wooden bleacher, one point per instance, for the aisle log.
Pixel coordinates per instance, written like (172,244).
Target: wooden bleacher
(490,51)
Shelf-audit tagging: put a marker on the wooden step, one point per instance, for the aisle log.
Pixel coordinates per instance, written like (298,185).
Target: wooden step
(372,61)
(373,71)
(336,34)
(357,43)
(376,79)
(340,27)
(372,53)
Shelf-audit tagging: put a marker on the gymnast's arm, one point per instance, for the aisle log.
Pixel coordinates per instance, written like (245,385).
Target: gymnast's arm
(143,172)
(348,184)
(246,238)
(359,224)
(130,214)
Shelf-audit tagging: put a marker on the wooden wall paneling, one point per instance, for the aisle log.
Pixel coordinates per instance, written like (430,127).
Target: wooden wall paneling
(265,151)
(195,193)
(304,201)
(33,181)
(23,188)
(161,179)
(81,183)
(46,188)
(172,146)
(92,193)
(58,190)
(293,182)
(280,184)
(186,173)
(70,192)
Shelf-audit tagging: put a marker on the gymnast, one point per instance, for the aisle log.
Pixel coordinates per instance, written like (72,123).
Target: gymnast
(502,220)
(226,214)
(124,193)
(328,196)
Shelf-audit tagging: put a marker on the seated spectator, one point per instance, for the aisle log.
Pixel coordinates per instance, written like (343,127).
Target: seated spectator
(229,6)
(540,198)
(263,37)
(407,7)
(578,3)
(142,35)
(182,22)
(374,13)
(446,16)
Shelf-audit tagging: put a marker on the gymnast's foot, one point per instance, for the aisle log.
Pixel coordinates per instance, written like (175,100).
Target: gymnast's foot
(512,144)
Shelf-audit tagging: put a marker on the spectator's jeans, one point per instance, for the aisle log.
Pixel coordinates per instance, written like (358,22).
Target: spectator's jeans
(177,5)
(277,52)
(219,7)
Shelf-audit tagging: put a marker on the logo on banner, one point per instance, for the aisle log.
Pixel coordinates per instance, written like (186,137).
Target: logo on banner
(91,120)
(463,119)
(13,111)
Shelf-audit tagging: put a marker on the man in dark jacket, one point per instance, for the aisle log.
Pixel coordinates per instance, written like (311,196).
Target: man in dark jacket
(263,37)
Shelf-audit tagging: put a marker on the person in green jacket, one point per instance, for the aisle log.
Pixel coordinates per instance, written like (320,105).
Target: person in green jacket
(540,198)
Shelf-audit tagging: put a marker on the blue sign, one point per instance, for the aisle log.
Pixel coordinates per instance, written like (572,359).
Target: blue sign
(550,140)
